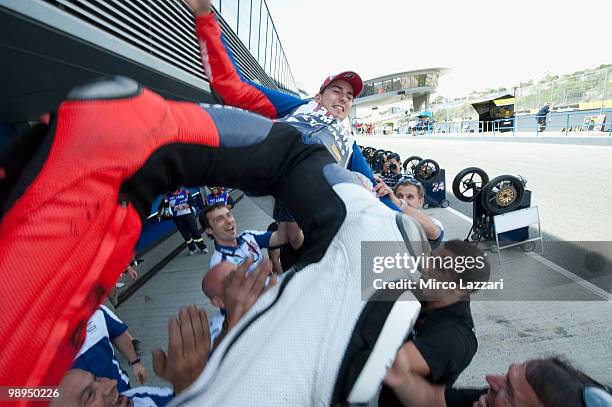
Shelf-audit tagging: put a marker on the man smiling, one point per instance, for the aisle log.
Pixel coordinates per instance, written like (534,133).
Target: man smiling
(219,222)
(82,389)
(319,120)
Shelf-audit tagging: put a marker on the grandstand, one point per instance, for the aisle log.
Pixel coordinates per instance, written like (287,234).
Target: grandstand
(388,101)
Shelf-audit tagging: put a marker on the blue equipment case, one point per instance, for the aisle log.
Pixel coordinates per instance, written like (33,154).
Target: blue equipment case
(435,190)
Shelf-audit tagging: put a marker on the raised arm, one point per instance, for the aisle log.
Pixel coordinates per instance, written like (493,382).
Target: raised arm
(225,77)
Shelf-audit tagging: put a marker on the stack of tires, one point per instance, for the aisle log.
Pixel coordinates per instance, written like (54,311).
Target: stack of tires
(426,171)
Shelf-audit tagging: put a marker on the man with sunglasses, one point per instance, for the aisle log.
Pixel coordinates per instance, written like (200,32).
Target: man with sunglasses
(409,196)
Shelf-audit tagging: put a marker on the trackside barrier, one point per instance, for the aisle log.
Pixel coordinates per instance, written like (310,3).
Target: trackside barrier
(568,123)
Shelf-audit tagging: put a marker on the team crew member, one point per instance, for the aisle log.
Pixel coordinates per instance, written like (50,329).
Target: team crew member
(97,355)
(219,195)
(409,196)
(188,349)
(80,388)
(231,250)
(549,382)
(233,294)
(443,342)
(219,222)
(180,203)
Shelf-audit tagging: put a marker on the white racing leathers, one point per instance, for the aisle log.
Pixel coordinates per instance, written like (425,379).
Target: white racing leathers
(291,348)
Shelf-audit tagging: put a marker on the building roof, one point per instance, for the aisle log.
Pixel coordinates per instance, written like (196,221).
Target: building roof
(442,71)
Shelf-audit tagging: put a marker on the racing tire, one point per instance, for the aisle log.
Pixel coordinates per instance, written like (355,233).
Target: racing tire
(502,194)
(426,170)
(464,182)
(367,152)
(411,163)
(528,247)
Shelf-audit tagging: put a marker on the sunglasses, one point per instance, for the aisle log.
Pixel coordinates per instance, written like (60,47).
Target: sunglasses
(408,180)
(596,396)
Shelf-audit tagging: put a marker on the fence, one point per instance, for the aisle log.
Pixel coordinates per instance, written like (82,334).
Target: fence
(590,89)
(597,121)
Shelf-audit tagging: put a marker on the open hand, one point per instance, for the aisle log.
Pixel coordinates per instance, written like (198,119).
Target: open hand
(131,271)
(242,289)
(199,7)
(188,349)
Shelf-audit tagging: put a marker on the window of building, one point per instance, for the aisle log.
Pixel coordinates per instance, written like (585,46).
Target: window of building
(244,21)
(255,27)
(229,12)
(368,89)
(387,86)
(421,79)
(378,88)
(263,39)
(397,84)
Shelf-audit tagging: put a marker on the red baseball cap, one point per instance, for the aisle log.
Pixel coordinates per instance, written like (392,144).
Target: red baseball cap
(349,76)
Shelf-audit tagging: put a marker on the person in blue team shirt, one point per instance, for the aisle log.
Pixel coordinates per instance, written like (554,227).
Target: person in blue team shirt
(179,206)
(80,388)
(226,287)
(219,195)
(541,116)
(392,170)
(186,357)
(231,250)
(97,355)
(219,222)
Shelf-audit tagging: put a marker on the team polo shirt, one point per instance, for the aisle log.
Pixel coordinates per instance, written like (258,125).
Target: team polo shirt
(149,396)
(390,178)
(248,244)
(216,326)
(97,355)
(222,198)
(179,203)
